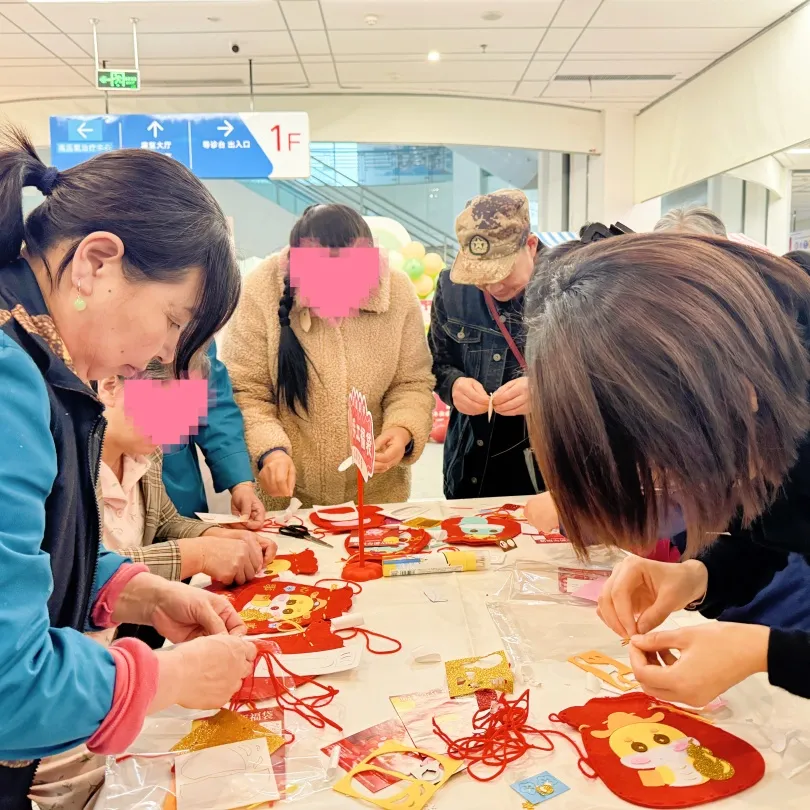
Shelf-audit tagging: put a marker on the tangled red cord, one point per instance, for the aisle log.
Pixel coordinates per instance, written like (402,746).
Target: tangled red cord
(499,738)
(306,707)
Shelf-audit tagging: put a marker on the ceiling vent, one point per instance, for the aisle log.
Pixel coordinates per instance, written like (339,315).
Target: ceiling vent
(607,77)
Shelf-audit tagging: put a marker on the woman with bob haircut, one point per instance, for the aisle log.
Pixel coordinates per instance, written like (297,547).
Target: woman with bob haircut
(672,370)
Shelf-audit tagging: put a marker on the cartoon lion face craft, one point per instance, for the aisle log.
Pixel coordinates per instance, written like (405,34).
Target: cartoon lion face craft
(653,754)
(479,531)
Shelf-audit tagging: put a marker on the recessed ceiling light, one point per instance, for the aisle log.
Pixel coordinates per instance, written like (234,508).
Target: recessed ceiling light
(799,151)
(371,19)
(491,16)
(434,56)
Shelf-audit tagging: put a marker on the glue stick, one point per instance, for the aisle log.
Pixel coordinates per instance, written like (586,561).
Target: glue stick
(436,562)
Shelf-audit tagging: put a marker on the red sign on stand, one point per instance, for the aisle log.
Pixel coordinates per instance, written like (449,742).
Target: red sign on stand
(361,434)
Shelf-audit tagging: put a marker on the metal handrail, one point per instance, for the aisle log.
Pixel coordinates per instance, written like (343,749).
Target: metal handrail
(378,205)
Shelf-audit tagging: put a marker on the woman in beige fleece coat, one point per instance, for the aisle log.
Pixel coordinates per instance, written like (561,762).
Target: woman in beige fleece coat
(292,372)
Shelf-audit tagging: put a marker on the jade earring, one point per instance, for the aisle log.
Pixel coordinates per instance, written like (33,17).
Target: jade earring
(80,305)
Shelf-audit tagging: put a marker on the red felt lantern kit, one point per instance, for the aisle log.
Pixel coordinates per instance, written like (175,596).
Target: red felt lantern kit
(387,540)
(345,518)
(480,530)
(276,606)
(653,754)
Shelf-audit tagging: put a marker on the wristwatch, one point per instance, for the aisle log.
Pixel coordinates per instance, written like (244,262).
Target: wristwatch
(266,453)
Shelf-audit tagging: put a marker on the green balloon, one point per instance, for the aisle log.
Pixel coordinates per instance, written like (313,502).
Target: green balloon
(414,268)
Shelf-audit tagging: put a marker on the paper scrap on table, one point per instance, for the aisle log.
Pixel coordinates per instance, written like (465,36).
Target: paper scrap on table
(417,710)
(213,517)
(591,590)
(354,749)
(436,594)
(227,776)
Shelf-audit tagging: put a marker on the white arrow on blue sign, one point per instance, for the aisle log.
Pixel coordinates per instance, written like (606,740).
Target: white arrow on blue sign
(231,146)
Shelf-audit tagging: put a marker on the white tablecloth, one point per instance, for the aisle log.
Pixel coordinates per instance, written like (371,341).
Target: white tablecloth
(462,627)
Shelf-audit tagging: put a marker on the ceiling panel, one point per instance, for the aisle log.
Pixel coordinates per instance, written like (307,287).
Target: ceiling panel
(320,72)
(302,14)
(576,13)
(430,73)
(682,68)
(171,17)
(54,76)
(27,17)
(427,14)
(445,41)
(311,42)
(21,45)
(542,69)
(486,45)
(610,89)
(662,40)
(559,40)
(61,45)
(530,89)
(697,13)
(117,48)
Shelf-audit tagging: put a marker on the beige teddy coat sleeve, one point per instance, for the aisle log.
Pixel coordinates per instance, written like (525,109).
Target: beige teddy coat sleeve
(382,352)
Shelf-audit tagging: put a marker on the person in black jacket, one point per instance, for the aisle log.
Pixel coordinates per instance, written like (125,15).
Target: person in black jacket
(478,372)
(674,369)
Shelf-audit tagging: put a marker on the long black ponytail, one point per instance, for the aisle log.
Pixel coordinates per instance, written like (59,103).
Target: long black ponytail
(331,226)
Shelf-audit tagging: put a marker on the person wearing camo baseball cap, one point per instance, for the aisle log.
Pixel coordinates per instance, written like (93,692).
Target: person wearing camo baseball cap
(477,338)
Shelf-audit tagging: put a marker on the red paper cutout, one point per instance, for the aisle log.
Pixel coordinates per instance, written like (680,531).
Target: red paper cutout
(480,530)
(318,637)
(361,434)
(409,541)
(344,521)
(653,754)
(269,605)
(305,563)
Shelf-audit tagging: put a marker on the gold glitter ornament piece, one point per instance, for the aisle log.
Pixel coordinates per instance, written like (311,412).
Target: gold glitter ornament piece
(528,806)
(546,789)
(707,764)
(465,676)
(226,727)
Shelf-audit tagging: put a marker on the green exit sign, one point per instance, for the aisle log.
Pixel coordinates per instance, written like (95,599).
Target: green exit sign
(118,79)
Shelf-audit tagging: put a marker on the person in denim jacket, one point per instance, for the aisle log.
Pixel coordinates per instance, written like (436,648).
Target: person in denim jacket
(486,454)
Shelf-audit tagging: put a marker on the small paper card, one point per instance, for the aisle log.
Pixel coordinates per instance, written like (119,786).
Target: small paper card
(545,538)
(591,590)
(357,747)
(227,776)
(417,711)
(539,788)
(466,676)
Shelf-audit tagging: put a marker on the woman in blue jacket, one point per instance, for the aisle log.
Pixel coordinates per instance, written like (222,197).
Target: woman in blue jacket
(222,441)
(127,259)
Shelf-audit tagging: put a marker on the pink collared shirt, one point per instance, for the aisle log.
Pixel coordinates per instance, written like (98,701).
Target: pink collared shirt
(124,516)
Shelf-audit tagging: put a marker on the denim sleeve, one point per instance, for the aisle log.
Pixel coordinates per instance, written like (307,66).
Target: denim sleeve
(56,685)
(447,364)
(222,438)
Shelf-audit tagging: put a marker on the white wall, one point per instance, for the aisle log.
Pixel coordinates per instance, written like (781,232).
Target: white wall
(260,226)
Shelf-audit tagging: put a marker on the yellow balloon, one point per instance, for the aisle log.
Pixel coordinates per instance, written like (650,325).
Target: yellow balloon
(434,264)
(395,260)
(413,250)
(424,286)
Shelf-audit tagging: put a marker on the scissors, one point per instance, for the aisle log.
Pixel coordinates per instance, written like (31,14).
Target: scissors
(302,533)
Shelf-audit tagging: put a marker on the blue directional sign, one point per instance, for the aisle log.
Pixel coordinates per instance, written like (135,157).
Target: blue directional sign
(229,146)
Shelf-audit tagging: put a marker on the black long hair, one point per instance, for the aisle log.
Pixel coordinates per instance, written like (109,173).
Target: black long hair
(167,219)
(330,226)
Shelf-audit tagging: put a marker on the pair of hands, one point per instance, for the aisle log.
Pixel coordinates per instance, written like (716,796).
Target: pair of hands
(511,399)
(639,596)
(277,476)
(212,657)
(226,555)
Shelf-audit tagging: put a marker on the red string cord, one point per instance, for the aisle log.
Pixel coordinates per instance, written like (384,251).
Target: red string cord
(355,631)
(306,707)
(499,738)
(356,587)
